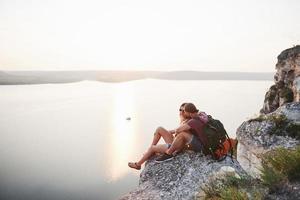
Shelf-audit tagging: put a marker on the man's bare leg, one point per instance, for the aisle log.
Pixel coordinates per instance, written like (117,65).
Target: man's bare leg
(179,142)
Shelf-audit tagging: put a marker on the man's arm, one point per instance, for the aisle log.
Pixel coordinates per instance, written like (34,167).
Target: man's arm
(184,127)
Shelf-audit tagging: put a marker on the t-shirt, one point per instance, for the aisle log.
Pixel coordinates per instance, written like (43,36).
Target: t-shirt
(203,117)
(197,125)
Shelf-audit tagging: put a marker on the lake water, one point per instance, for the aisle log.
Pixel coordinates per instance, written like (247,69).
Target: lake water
(72,141)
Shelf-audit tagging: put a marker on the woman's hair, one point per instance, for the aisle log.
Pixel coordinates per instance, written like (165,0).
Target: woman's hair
(182,118)
(182,105)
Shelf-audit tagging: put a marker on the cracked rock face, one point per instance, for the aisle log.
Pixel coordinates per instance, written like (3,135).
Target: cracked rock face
(181,178)
(257,136)
(287,81)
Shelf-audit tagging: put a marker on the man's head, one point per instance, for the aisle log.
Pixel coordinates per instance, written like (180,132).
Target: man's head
(190,110)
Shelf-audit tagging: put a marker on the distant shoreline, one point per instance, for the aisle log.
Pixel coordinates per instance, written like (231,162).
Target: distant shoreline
(43,77)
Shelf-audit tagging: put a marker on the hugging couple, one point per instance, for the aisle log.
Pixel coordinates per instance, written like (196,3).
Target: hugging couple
(189,133)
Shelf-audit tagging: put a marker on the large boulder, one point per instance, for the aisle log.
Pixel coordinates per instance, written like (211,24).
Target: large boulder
(181,178)
(287,81)
(257,136)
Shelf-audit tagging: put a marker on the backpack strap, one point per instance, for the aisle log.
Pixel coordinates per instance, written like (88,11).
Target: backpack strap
(231,147)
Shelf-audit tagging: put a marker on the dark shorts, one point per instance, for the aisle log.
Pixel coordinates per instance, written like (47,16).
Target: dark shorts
(195,144)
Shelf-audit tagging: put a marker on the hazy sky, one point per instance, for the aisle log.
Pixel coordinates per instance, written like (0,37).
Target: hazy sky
(211,35)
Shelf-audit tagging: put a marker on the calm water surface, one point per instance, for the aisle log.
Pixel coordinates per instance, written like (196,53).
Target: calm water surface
(72,141)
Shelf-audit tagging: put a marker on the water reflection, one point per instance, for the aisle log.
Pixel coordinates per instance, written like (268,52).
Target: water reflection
(72,141)
(123,129)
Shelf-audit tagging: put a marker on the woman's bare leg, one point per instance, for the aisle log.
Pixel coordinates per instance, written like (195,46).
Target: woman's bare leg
(179,142)
(160,148)
(162,132)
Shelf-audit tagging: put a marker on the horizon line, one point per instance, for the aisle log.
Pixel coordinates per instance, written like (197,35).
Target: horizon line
(104,70)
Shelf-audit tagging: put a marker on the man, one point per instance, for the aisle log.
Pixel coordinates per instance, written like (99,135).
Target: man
(190,133)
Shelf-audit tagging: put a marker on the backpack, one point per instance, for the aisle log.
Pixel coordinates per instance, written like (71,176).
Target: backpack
(219,144)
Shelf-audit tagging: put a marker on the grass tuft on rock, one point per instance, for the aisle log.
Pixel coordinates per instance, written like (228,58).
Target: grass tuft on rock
(282,126)
(279,120)
(233,188)
(294,130)
(279,166)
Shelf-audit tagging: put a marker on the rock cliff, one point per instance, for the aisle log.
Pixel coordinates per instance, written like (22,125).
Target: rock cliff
(181,178)
(280,128)
(287,81)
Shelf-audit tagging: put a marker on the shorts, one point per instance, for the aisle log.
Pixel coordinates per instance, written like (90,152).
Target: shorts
(195,144)
(168,145)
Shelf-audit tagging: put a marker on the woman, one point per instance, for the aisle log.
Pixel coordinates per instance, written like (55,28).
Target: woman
(159,148)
